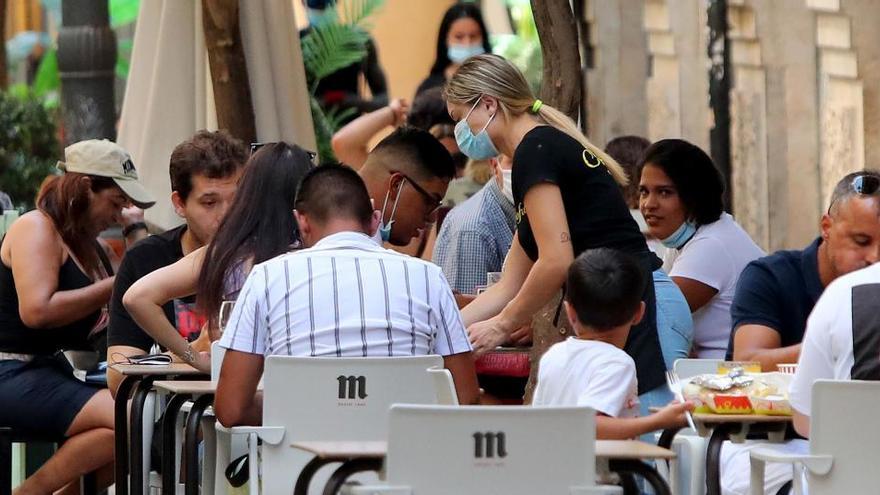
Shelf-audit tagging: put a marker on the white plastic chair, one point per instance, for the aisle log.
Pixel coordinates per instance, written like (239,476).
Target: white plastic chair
(689,447)
(511,450)
(844,434)
(332,399)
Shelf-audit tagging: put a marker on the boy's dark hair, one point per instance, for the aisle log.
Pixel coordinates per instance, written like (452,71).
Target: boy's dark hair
(334,191)
(414,152)
(699,184)
(604,288)
(628,151)
(212,154)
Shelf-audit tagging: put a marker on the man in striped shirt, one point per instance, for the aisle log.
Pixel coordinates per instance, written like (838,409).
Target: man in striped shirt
(344,296)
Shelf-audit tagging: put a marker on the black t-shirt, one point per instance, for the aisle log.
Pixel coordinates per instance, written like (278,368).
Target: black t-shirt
(597,217)
(149,254)
(778,291)
(594,206)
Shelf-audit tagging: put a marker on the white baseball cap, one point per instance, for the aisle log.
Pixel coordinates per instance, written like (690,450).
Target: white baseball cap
(107,159)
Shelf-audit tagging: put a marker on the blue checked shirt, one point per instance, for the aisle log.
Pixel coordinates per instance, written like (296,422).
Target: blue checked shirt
(475,239)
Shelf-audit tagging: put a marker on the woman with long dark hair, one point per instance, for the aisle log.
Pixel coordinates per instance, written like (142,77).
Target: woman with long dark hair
(259,226)
(54,288)
(462,35)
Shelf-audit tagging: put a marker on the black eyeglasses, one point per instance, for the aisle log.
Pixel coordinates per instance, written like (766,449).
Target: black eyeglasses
(864,184)
(432,201)
(257,146)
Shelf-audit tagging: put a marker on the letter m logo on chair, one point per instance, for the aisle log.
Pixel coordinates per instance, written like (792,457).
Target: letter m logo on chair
(490,445)
(352,387)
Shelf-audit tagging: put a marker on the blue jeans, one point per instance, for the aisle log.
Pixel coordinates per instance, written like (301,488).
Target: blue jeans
(675,328)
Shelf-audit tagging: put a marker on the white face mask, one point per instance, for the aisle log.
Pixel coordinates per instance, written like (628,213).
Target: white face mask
(507,190)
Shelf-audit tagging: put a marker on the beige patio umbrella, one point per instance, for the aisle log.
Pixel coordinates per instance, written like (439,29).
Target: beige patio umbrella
(168,95)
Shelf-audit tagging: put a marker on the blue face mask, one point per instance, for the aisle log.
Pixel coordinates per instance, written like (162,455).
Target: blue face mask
(385,229)
(476,147)
(459,53)
(681,236)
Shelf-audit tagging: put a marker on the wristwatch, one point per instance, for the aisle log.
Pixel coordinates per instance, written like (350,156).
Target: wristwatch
(189,355)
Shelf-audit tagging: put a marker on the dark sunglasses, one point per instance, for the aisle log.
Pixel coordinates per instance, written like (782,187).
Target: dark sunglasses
(431,200)
(257,146)
(864,184)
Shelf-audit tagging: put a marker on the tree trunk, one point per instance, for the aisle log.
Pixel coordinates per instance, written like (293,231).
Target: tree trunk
(557,30)
(3,69)
(229,75)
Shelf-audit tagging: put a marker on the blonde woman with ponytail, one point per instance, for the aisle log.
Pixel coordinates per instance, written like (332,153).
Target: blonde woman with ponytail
(567,201)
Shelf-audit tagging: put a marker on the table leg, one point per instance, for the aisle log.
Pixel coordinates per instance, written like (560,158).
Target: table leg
(191,444)
(137,434)
(639,468)
(120,413)
(169,425)
(720,434)
(307,473)
(348,468)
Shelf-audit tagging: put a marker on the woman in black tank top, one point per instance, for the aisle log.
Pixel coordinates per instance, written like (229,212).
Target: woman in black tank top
(54,288)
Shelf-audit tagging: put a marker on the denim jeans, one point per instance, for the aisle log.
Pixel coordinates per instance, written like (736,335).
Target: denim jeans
(675,328)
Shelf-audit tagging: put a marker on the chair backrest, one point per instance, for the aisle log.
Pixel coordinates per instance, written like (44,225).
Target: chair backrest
(327,399)
(843,423)
(491,449)
(444,387)
(687,368)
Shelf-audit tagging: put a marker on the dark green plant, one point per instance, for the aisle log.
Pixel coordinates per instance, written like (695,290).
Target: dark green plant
(336,43)
(28,146)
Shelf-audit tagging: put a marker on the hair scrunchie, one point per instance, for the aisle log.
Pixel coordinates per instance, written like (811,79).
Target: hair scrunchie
(536,106)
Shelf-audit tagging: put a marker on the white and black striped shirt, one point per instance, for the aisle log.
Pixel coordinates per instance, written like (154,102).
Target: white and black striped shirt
(346,296)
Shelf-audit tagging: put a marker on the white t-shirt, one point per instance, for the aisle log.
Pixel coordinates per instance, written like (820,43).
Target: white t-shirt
(588,373)
(827,349)
(715,256)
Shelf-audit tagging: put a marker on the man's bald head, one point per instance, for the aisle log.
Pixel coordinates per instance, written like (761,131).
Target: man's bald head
(851,228)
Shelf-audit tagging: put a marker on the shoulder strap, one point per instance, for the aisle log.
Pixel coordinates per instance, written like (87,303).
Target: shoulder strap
(105,260)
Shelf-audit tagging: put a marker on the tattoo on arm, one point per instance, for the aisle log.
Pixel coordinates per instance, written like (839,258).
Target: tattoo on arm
(565,237)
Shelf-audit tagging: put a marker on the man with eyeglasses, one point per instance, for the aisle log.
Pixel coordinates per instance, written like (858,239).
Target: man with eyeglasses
(777,294)
(406,175)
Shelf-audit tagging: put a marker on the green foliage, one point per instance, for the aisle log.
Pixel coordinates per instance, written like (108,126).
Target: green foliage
(28,146)
(336,43)
(523,49)
(123,12)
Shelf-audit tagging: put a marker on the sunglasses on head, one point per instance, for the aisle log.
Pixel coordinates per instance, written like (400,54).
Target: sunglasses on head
(864,184)
(257,146)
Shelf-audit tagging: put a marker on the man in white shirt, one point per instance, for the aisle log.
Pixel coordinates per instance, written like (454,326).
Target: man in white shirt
(344,296)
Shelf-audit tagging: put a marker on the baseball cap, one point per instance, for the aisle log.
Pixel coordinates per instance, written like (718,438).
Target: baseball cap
(107,159)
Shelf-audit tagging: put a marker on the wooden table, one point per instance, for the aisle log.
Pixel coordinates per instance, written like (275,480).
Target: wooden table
(733,427)
(141,377)
(623,456)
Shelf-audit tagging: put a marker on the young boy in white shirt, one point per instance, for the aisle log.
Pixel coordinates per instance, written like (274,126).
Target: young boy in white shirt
(602,301)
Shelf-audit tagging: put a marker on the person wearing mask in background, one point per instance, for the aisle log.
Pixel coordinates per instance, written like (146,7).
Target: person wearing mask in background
(462,35)
(567,200)
(204,172)
(675,326)
(341,89)
(476,235)
(680,195)
(53,297)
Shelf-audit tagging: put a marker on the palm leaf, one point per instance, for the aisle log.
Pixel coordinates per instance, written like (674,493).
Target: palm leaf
(356,12)
(330,47)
